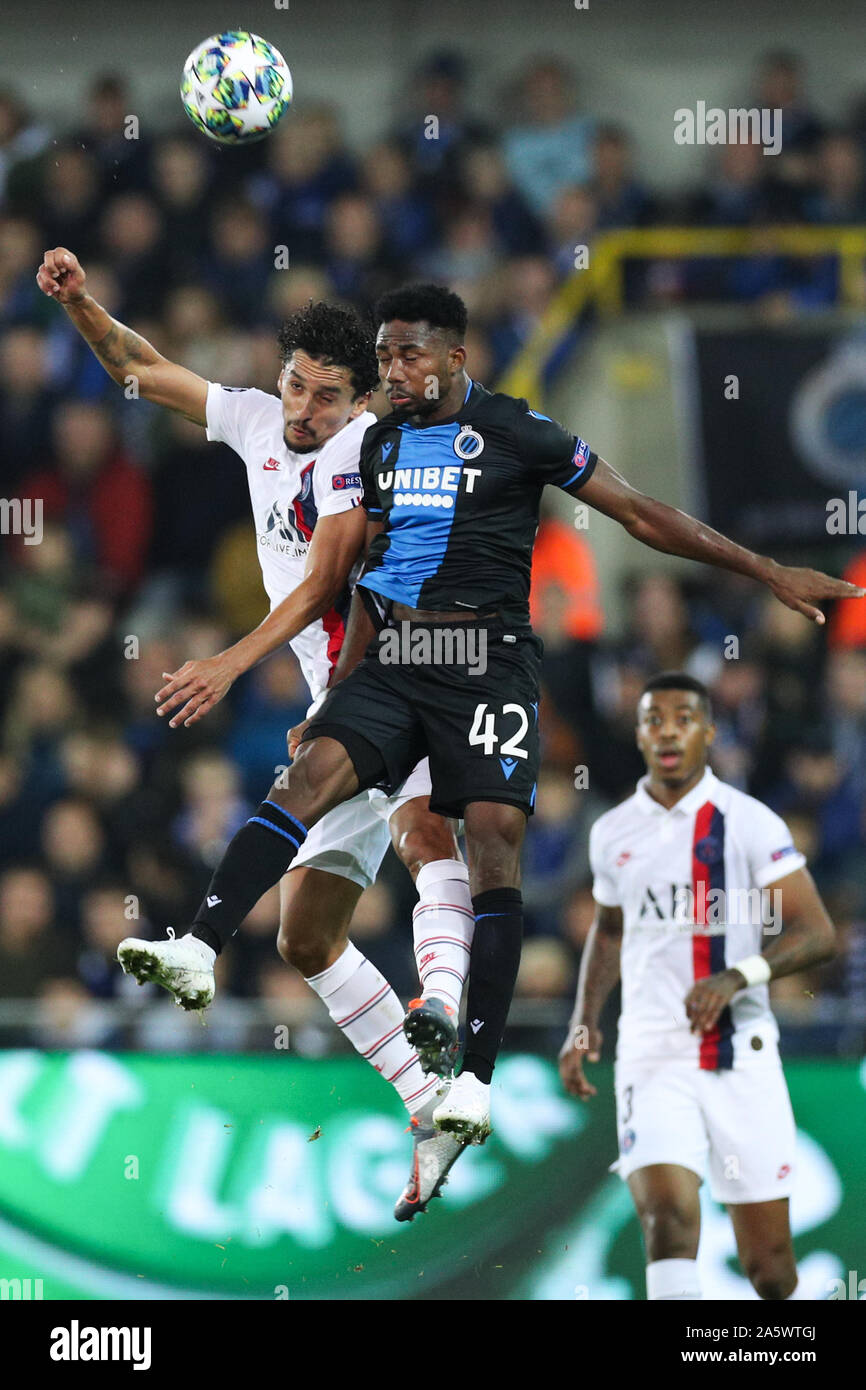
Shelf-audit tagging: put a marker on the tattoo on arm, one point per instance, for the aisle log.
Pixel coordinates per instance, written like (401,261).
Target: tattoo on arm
(119,347)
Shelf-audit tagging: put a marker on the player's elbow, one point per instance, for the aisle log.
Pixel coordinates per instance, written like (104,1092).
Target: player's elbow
(638,514)
(323,590)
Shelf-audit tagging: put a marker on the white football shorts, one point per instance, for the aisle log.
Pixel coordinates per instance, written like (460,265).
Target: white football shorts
(735,1126)
(352,840)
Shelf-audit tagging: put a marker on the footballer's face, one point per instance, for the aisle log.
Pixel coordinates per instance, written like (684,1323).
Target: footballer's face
(318,400)
(674,735)
(420,368)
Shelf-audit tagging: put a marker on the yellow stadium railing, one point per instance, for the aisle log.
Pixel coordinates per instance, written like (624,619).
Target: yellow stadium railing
(602,282)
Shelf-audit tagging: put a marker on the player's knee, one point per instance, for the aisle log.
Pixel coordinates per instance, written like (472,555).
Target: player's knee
(308,957)
(772,1274)
(670,1231)
(424,841)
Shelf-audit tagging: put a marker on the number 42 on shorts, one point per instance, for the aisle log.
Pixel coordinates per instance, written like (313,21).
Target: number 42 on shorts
(483,731)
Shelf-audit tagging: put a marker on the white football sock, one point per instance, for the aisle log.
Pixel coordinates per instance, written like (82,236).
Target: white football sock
(364,1007)
(443,924)
(673,1281)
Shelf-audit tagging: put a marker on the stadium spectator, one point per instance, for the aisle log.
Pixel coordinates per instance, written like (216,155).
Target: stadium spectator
(552,147)
(104,498)
(182,182)
(132,237)
(25,401)
(240,263)
(736,193)
(468,253)
(307,168)
(439,128)
(525,289)
(484,181)
(69,199)
(31,948)
(21,140)
(840,194)
(20,240)
(111,132)
(404,210)
(359,264)
(621,198)
(781,86)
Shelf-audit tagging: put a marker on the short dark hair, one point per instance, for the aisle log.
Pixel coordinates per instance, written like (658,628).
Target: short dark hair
(678,680)
(336,334)
(433,304)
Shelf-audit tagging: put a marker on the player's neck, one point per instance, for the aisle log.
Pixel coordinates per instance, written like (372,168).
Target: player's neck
(450,404)
(668,795)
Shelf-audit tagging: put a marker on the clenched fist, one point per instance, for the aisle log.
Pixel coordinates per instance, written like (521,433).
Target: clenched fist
(60,276)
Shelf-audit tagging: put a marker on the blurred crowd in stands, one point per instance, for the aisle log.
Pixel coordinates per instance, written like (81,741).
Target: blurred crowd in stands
(110,822)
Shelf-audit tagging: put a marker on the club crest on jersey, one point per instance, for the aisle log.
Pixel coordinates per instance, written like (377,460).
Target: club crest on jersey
(306,485)
(468,444)
(709,850)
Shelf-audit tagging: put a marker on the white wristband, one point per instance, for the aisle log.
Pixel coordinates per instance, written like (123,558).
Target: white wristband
(755,970)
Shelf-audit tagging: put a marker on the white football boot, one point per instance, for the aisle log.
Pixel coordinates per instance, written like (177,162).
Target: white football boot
(433,1156)
(184,967)
(465,1111)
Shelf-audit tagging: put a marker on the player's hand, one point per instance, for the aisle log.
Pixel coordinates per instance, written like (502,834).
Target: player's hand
(60,276)
(582,1042)
(802,589)
(197,686)
(295,735)
(706,998)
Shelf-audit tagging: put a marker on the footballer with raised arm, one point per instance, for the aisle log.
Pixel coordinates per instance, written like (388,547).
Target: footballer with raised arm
(702,900)
(301,452)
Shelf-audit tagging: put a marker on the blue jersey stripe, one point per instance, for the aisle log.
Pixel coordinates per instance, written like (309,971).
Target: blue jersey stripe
(421,513)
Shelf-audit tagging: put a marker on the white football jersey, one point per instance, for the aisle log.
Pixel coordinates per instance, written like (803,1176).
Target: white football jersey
(688,881)
(289,492)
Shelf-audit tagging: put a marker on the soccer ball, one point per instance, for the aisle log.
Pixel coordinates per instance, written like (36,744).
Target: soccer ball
(235,87)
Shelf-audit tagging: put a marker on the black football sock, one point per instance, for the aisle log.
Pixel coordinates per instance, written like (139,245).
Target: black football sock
(493,963)
(255,859)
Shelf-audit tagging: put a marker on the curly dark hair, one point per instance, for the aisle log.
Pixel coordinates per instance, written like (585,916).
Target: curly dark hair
(338,336)
(433,304)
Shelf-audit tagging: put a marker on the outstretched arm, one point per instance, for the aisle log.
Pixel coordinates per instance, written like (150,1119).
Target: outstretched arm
(807,938)
(676,533)
(123,354)
(198,685)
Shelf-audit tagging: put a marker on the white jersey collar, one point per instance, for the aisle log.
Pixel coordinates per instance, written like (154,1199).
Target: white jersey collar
(687,804)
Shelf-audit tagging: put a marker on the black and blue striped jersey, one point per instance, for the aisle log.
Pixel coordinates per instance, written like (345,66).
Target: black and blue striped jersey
(460,501)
